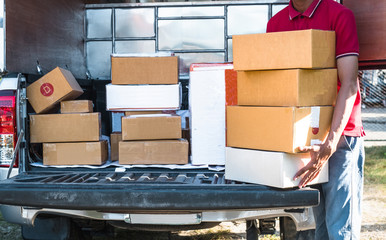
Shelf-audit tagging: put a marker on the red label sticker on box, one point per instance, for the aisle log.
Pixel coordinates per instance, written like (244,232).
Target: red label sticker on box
(315,116)
(46,89)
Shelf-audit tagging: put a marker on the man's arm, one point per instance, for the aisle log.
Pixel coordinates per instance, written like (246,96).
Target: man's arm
(347,72)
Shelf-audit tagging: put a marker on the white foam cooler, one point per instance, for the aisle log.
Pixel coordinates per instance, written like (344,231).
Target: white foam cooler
(275,169)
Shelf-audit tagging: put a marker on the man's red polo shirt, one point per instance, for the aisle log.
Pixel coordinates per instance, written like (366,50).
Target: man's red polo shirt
(326,15)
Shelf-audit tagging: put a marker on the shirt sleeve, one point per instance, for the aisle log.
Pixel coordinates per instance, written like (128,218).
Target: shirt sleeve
(270,26)
(346,34)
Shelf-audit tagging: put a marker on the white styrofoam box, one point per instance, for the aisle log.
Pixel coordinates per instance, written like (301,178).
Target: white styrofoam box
(207,105)
(143,97)
(275,169)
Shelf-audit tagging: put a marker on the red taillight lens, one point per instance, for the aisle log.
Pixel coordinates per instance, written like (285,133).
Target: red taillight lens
(7,129)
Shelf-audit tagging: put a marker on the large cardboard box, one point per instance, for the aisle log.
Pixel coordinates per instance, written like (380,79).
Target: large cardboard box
(115,138)
(143,97)
(75,153)
(144,70)
(281,129)
(57,85)
(76,127)
(295,87)
(151,127)
(275,169)
(76,106)
(211,88)
(153,152)
(284,50)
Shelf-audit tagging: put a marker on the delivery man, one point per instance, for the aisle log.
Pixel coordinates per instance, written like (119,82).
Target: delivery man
(339,214)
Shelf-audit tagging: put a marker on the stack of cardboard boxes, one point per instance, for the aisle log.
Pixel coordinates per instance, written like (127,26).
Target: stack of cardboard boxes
(286,86)
(72,137)
(146,83)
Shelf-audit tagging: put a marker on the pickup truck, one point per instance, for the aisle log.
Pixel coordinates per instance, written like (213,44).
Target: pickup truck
(80,35)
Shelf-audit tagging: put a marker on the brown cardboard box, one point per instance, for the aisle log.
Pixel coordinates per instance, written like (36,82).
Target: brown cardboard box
(129,113)
(115,138)
(148,127)
(76,127)
(144,70)
(281,129)
(75,153)
(295,87)
(284,50)
(153,152)
(76,106)
(49,90)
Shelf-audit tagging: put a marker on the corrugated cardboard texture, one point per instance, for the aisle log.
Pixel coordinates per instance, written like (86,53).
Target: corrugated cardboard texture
(296,87)
(76,127)
(144,70)
(284,50)
(281,129)
(142,112)
(151,128)
(79,153)
(153,152)
(275,169)
(49,90)
(230,87)
(115,138)
(76,106)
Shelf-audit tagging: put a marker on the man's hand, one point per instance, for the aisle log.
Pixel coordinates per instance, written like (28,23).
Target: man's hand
(347,71)
(319,156)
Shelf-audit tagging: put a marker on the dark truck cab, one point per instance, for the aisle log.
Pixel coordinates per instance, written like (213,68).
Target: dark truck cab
(41,35)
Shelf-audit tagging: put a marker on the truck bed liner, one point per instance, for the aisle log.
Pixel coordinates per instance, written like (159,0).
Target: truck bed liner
(141,190)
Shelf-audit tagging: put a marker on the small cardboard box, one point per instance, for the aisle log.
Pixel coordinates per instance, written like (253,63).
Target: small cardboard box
(153,152)
(49,90)
(284,50)
(295,87)
(115,138)
(275,169)
(143,97)
(151,127)
(76,106)
(144,70)
(212,87)
(75,153)
(282,129)
(76,127)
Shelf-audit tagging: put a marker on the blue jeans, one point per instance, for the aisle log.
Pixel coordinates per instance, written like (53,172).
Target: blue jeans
(338,215)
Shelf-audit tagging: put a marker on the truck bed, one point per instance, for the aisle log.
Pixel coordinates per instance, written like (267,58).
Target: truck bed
(147,190)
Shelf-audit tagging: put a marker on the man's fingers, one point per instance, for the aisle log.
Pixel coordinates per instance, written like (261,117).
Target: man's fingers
(306,168)
(300,172)
(309,148)
(307,178)
(305,148)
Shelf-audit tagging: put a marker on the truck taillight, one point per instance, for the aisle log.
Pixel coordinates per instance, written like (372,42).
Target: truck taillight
(7,129)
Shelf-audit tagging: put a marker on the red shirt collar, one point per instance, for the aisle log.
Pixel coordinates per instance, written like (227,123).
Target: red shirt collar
(308,13)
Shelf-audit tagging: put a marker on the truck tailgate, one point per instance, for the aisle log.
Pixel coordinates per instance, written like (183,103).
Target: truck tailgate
(149,190)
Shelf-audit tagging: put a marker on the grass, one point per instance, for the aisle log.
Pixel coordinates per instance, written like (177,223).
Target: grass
(375,165)
(8,230)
